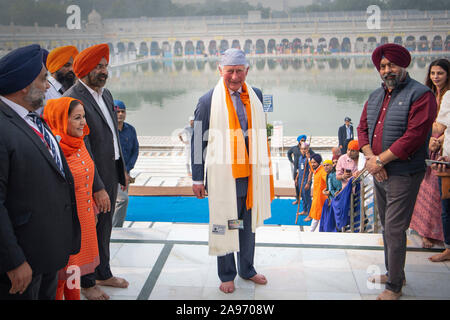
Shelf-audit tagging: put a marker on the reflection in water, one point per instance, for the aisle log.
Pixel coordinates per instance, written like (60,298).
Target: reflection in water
(311,95)
(178,65)
(345,63)
(260,64)
(296,64)
(284,63)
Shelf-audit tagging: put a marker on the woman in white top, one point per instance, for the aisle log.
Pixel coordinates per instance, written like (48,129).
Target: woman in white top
(426,219)
(442,125)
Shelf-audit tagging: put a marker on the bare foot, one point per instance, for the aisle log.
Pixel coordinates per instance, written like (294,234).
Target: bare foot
(381,278)
(307,219)
(258,279)
(443,256)
(94,293)
(303,213)
(114,282)
(427,243)
(227,287)
(295,202)
(389,295)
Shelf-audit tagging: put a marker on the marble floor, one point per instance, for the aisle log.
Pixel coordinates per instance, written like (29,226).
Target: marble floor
(165,261)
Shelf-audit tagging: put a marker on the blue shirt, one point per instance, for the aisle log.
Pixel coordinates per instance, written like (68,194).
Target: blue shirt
(130,145)
(303,170)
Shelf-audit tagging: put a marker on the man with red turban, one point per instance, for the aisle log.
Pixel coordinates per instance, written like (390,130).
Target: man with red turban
(393,133)
(91,68)
(59,64)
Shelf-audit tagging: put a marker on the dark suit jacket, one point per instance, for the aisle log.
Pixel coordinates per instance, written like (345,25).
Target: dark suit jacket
(38,214)
(342,134)
(202,115)
(100,139)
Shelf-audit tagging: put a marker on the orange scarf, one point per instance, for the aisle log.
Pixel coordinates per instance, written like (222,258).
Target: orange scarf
(56,114)
(240,156)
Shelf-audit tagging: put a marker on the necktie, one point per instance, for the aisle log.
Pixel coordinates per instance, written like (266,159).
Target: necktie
(240,112)
(51,146)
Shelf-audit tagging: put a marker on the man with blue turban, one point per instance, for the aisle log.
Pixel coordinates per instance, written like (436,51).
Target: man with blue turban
(130,150)
(39,226)
(295,151)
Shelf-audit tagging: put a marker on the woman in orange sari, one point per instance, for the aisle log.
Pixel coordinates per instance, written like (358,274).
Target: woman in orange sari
(319,184)
(66,119)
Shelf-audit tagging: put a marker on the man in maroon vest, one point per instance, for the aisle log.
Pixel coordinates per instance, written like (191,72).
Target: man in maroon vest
(393,134)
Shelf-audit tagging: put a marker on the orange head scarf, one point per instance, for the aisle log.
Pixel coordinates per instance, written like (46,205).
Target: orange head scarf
(56,114)
(58,57)
(89,58)
(353,145)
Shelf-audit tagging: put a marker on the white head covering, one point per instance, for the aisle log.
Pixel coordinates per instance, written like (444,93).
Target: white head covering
(233,57)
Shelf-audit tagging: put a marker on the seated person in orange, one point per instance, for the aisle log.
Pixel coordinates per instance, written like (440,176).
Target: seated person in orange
(66,119)
(319,185)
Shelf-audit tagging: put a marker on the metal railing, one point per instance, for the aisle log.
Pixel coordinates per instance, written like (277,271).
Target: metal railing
(363,211)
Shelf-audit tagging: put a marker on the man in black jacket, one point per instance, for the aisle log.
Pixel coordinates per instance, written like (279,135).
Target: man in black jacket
(39,226)
(345,134)
(295,151)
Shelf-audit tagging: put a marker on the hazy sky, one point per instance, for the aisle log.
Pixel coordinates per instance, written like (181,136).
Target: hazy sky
(273,4)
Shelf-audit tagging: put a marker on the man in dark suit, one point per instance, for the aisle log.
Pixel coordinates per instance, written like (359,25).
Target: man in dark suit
(91,68)
(234,75)
(39,226)
(345,134)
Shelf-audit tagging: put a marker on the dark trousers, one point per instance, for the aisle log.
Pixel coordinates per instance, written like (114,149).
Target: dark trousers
(306,198)
(445,218)
(42,287)
(104,228)
(395,199)
(226,264)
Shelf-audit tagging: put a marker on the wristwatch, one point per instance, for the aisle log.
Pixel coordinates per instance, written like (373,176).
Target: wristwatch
(379,162)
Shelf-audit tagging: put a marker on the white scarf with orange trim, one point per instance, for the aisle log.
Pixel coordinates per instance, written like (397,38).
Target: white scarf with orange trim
(222,185)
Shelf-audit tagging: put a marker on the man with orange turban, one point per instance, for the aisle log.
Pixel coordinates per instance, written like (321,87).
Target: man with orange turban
(59,64)
(91,68)
(347,165)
